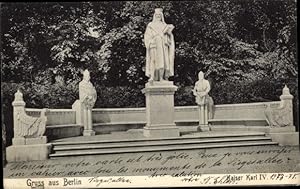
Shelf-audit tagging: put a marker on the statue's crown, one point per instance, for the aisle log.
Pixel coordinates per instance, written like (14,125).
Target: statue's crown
(158,10)
(86,72)
(200,73)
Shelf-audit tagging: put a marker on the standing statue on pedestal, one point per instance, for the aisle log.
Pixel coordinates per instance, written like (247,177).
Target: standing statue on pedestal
(160,45)
(204,101)
(87,97)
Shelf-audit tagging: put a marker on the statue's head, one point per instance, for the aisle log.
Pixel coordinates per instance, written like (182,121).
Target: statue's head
(201,75)
(86,75)
(158,15)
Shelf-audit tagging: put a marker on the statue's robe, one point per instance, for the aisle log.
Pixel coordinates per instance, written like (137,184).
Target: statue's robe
(160,50)
(202,88)
(87,93)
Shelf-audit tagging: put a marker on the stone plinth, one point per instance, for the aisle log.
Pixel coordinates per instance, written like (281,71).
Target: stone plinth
(17,153)
(203,128)
(29,141)
(89,133)
(285,136)
(160,109)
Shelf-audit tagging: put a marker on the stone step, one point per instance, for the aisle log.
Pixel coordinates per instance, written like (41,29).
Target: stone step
(157,143)
(159,148)
(62,126)
(239,121)
(188,129)
(239,128)
(199,135)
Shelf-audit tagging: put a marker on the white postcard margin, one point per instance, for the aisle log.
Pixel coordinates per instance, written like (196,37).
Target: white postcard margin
(264,179)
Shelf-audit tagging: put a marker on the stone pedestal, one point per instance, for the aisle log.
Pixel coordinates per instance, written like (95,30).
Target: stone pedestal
(17,153)
(25,149)
(203,128)
(286,139)
(285,136)
(29,141)
(203,118)
(78,108)
(88,132)
(160,109)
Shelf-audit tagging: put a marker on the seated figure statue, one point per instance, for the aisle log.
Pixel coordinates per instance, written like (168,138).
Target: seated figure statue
(204,101)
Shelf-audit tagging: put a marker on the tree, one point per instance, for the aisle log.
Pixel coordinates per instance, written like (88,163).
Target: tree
(228,40)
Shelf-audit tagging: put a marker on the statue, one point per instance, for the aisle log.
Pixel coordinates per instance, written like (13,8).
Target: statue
(88,97)
(160,48)
(204,101)
(87,92)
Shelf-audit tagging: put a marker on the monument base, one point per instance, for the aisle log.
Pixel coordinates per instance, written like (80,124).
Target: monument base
(286,139)
(282,129)
(285,136)
(160,109)
(17,153)
(161,131)
(29,141)
(89,133)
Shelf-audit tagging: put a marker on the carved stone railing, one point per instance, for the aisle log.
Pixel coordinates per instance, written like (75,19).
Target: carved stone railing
(121,116)
(30,124)
(280,119)
(276,116)
(27,128)
(281,116)
(55,116)
(28,133)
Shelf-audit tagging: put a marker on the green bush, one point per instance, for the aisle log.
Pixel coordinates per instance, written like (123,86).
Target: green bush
(119,96)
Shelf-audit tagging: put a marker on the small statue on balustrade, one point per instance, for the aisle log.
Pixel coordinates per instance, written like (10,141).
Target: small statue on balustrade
(88,97)
(87,92)
(204,101)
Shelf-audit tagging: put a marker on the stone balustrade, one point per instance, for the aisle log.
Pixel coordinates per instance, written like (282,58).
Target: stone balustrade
(55,116)
(183,113)
(34,127)
(113,116)
(106,120)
